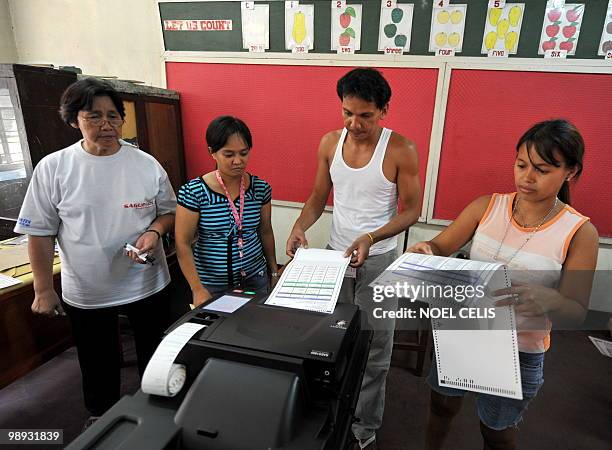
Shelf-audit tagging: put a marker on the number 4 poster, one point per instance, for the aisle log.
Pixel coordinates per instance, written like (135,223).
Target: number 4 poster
(561,27)
(447,27)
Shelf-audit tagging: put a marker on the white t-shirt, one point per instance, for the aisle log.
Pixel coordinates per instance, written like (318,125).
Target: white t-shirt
(95,205)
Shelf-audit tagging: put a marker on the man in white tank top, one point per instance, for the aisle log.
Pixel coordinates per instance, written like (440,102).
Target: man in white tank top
(371,170)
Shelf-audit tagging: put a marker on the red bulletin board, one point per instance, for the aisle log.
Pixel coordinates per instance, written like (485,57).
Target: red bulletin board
(487,113)
(289,109)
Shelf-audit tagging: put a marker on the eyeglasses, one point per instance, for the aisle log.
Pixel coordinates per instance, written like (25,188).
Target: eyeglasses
(115,122)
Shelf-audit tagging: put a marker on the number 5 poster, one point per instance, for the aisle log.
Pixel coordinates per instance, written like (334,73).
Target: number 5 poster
(503,28)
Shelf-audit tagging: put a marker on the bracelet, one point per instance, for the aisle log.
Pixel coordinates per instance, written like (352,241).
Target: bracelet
(274,274)
(150,230)
(371,238)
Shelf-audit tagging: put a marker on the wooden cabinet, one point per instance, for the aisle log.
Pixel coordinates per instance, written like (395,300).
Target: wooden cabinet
(153,123)
(30,128)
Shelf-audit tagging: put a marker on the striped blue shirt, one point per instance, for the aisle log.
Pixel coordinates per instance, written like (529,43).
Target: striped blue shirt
(216,250)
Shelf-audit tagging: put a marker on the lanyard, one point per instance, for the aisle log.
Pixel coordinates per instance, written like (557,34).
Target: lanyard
(237,216)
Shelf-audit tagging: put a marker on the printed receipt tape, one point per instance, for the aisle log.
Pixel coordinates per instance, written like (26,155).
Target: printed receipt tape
(162,376)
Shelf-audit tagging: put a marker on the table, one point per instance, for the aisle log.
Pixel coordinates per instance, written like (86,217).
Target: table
(28,340)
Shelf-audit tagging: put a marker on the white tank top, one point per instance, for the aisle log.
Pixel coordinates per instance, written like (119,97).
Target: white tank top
(364,200)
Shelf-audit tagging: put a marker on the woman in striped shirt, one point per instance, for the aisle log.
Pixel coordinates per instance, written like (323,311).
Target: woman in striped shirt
(230,210)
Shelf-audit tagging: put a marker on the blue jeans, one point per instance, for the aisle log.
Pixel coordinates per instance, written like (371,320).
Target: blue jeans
(257,283)
(497,412)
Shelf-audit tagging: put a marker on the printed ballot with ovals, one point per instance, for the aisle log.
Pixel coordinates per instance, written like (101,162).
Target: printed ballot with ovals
(475,354)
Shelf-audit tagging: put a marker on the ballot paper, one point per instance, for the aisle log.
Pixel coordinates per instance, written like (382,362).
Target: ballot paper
(13,256)
(19,240)
(604,347)
(478,353)
(227,304)
(8,281)
(162,376)
(422,272)
(311,281)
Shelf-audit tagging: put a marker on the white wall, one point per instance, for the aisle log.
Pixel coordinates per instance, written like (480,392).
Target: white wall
(283,218)
(103,37)
(8,52)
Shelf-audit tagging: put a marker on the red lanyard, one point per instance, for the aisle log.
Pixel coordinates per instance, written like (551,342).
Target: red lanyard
(237,216)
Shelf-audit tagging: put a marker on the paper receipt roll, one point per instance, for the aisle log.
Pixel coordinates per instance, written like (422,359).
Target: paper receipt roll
(162,376)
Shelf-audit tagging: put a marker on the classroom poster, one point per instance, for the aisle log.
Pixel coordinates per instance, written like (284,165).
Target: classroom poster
(561,27)
(503,28)
(395,27)
(605,45)
(255,25)
(447,28)
(345,26)
(299,27)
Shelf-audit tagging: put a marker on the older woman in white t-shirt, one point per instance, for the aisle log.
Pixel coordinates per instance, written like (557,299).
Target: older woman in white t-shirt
(94,197)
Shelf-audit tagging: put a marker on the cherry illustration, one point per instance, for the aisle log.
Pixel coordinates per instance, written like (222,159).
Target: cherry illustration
(552,30)
(554,15)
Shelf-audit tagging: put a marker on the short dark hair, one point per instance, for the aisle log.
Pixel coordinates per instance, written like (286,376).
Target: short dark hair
(222,128)
(367,84)
(556,135)
(79,96)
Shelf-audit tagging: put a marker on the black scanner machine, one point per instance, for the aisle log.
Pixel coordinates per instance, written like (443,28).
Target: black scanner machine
(261,377)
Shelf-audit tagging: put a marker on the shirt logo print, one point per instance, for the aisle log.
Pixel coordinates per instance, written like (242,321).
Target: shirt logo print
(139,205)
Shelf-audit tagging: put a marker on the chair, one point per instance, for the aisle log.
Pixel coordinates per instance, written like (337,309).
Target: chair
(415,337)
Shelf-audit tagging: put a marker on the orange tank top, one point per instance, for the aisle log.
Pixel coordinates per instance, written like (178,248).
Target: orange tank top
(539,260)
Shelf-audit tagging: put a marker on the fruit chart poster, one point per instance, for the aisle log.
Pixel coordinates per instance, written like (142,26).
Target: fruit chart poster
(503,28)
(447,28)
(561,27)
(605,45)
(255,25)
(299,27)
(395,27)
(345,26)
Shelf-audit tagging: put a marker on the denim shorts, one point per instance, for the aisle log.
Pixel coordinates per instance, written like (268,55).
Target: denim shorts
(497,412)
(258,283)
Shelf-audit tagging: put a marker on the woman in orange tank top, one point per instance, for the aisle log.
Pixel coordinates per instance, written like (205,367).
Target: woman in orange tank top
(533,229)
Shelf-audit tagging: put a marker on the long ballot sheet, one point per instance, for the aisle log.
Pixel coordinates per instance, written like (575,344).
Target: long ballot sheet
(312,281)
(484,357)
